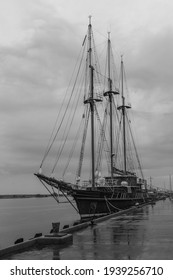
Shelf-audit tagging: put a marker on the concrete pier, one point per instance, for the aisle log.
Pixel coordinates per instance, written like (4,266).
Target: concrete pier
(57,239)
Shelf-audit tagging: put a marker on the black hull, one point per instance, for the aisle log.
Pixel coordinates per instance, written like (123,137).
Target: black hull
(95,206)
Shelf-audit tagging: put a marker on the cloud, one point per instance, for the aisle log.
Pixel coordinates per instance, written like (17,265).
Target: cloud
(33,75)
(36,66)
(149,75)
(151,60)
(31,70)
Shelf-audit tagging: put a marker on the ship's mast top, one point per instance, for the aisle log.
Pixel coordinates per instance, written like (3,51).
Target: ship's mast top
(90,19)
(90,45)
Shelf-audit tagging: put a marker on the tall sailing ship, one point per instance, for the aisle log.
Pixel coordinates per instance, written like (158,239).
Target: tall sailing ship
(110,167)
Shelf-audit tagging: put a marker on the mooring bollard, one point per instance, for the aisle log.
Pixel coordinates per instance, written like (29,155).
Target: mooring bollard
(65,226)
(19,240)
(55,227)
(37,235)
(76,223)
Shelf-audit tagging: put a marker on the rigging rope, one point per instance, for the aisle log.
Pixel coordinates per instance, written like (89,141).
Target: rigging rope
(78,174)
(140,167)
(118,140)
(102,140)
(62,147)
(73,148)
(50,144)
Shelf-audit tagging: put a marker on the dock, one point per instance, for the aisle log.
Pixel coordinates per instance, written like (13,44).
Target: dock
(137,233)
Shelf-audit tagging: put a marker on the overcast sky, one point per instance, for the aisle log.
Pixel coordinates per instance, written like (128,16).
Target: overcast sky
(39,42)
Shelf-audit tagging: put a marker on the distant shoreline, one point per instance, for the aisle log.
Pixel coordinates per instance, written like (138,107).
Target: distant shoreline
(9,196)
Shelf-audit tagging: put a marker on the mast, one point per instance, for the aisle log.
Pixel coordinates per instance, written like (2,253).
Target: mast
(170,182)
(91,100)
(110,102)
(123,112)
(123,107)
(91,103)
(110,93)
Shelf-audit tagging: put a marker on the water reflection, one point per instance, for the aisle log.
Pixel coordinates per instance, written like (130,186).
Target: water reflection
(117,238)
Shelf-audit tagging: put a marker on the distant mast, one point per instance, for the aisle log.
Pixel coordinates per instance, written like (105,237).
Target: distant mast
(110,93)
(123,107)
(170,181)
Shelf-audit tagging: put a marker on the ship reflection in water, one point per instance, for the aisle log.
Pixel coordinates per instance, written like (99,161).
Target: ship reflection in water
(144,234)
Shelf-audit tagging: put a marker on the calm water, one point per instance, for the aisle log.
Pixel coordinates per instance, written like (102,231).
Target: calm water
(25,217)
(144,234)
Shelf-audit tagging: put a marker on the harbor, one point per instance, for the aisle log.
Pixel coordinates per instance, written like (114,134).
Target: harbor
(141,233)
(86,131)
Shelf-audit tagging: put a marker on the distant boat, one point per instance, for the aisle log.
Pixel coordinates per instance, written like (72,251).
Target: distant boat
(112,162)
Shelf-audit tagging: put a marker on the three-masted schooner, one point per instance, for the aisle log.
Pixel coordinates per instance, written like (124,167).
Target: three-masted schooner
(119,187)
